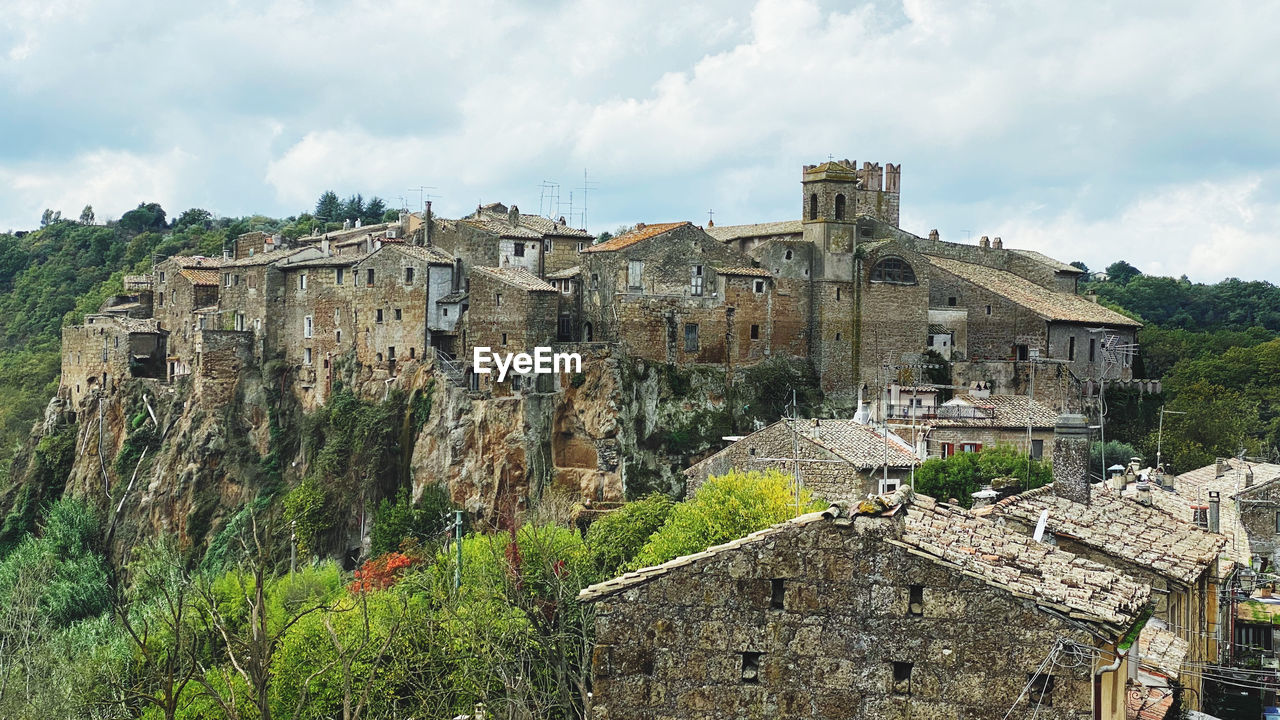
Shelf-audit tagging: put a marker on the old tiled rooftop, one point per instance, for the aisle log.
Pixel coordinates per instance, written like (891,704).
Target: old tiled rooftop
(1001,411)
(128,324)
(1083,590)
(517,276)
(266,258)
(502,228)
(746,271)
(725,233)
(1056,265)
(863,446)
(1161,650)
(1049,304)
(639,234)
(453,297)
(565,274)
(432,255)
(1123,528)
(200,276)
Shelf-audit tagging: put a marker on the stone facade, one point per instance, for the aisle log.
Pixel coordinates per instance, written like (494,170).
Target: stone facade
(869,616)
(184,285)
(511,311)
(98,354)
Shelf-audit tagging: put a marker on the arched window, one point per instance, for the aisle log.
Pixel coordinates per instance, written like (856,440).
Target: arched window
(813,206)
(840,207)
(893,270)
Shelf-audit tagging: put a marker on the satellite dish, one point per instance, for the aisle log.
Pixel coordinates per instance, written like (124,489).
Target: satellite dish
(1044,519)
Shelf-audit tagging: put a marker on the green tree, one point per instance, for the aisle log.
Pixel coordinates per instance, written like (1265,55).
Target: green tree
(329,207)
(1122,272)
(965,473)
(373,211)
(86,215)
(616,538)
(1216,422)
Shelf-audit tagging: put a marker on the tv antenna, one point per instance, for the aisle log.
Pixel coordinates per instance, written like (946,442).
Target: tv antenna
(423,195)
(586,186)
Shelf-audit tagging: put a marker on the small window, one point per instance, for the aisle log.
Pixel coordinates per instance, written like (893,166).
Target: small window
(837,294)
(161,276)
(635,271)
(901,678)
(391,353)
(339,275)
(893,270)
(581,245)
(691,337)
(839,337)
(787,255)
(813,206)
(759,286)
(750,667)
(307,326)
(239,321)
(1040,689)
(1071,348)
(499,299)
(777,594)
(695,280)
(595,281)
(378,315)
(915,600)
(161,299)
(840,207)
(368,280)
(1037,449)
(306,356)
(1022,352)
(235,279)
(226,279)
(951,301)
(337,336)
(504,338)
(519,249)
(252,281)
(446,312)
(948,449)
(889,486)
(988,309)
(302,281)
(408,276)
(473,382)
(399,316)
(1093,347)
(755,332)
(971,447)
(379,356)
(412,353)
(1278,522)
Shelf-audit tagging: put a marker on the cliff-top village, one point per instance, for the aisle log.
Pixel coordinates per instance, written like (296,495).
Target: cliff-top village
(1089,598)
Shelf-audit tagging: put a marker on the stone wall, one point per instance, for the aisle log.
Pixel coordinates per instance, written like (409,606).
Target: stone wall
(222,356)
(810,623)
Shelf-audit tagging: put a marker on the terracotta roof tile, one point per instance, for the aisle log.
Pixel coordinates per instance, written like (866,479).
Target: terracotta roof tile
(518,277)
(747,271)
(725,233)
(565,274)
(627,240)
(1049,304)
(1000,411)
(201,277)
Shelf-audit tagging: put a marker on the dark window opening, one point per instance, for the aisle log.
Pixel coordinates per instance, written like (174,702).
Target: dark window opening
(1037,449)
(379,316)
(498,299)
(777,594)
(408,276)
(893,270)
(1093,349)
(368,278)
(519,249)
(412,353)
(951,301)
(646,666)
(915,603)
(838,337)
(813,206)
(1040,688)
(988,309)
(1022,352)
(504,338)
(865,232)
(755,332)
(902,678)
(786,255)
(398,314)
(750,667)
(1071,348)
(837,293)
(691,337)
(839,207)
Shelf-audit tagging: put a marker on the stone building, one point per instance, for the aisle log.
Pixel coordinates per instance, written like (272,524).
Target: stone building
(252,294)
(392,300)
(511,311)
(1178,559)
(183,286)
(499,236)
(105,349)
(899,608)
(568,282)
(969,423)
(839,459)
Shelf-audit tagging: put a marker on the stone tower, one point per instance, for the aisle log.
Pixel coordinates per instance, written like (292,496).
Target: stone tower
(1071,458)
(836,193)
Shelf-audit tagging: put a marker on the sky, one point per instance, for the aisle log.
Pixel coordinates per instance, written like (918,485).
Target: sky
(1093,131)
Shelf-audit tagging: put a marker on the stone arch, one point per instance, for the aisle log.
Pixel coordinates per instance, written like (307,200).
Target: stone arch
(894,270)
(840,206)
(813,206)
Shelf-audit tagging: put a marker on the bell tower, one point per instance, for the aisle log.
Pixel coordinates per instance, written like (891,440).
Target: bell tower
(836,193)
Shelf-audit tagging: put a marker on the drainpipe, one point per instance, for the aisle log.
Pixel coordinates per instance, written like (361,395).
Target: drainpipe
(1097,685)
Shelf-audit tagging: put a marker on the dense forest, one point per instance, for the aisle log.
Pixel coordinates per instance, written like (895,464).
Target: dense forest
(442,617)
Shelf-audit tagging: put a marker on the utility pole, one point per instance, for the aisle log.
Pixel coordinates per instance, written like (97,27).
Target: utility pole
(1160,434)
(1034,355)
(457,535)
(795,446)
(293,546)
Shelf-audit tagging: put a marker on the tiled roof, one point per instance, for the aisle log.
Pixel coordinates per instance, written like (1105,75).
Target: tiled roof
(953,537)
(1161,650)
(128,324)
(1142,535)
(1057,265)
(626,240)
(1148,703)
(266,258)
(518,277)
(1001,411)
(431,254)
(547,226)
(1048,304)
(198,261)
(863,446)
(747,271)
(453,297)
(565,274)
(201,277)
(502,228)
(725,233)
(935,329)
(328,261)
(1193,488)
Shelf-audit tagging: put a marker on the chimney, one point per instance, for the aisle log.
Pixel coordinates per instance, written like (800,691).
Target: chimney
(1215,502)
(1117,481)
(984,241)
(324,246)
(984,497)
(513,216)
(997,244)
(1071,458)
(1221,468)
(226,253)
(1144,492)
(933,235)
(1248,476)
(346,224)
(358,222)
(639,226)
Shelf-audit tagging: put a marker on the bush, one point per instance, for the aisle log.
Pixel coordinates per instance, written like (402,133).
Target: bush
(401,518)
(726,508)
(616,538)
(963,474)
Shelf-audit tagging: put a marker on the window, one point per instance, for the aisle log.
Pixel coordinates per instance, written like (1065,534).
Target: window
(257,323)
(564,330)
(837,293)
(302,281)
(915,600)
(690,337)
(581,245)
(1037,449)
(499,299)
(1093,348)
(306,326)
(226,279)
(239,321)
(755,332)
(408,276)
(446,312)
(1071,348)
(988,309)
(337,336)
(368,280)
(951,301)
(566,286)
(948,449)
(750,667)
(1040,688)
(473,382)
(759,286)
(235,279)
(695,280)
(888,486)
(412,353)
(595,281)
(787,255)
(813,206)
(893,270)
(306,356)
(252,281)
(777,594)
(1254,637)
(519,249)
(635,270)
(378,315)
(161,299)
(517,381)
(161,276)
(1278,522)
(504,338)
(391,353)
(901,678)
(398,314)
(337,316)
(379,356)
(840,207)
(339,275)
(971,447)
(1021,352)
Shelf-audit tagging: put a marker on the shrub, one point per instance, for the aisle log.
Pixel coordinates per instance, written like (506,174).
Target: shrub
(616,538)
